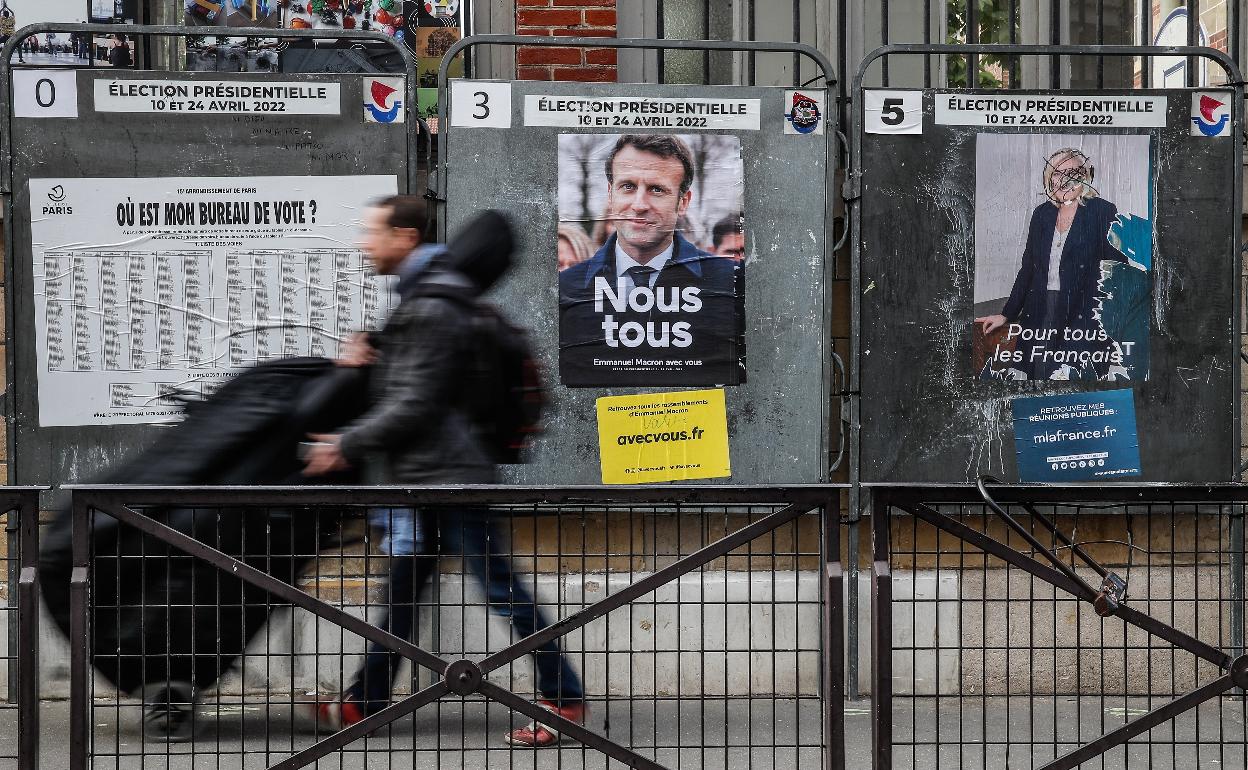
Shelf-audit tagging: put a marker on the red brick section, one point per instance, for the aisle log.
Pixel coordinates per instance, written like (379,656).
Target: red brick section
(566,18)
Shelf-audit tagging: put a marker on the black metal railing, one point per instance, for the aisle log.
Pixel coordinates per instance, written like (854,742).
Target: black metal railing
(703,622)
(19,616)
(1049,626)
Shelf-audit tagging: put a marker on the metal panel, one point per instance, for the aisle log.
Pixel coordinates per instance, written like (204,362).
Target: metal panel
(127,146)
(925,415)
(778,419)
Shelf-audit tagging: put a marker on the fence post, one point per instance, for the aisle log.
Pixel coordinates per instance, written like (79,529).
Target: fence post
(13,550)
(1237,580)
(27,511)
(881,635)
(833,639)
(80,636)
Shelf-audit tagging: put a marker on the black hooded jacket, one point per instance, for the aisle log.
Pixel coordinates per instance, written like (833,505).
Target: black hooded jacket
(419,421)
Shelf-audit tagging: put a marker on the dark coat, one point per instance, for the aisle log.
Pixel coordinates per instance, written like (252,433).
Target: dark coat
(418,424)
(1085,248)
(245,433)
(716,328)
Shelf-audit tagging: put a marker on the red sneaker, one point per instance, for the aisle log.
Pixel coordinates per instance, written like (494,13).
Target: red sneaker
(333,713)
(536,735)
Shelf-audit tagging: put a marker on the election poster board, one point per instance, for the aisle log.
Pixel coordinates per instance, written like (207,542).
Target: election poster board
(650,260)
(1048,285)
(643,281)
(152,290)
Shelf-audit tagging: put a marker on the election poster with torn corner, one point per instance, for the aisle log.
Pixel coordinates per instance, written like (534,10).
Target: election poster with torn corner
(1063,256)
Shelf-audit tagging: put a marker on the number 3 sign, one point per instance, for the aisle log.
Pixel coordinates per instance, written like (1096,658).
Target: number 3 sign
(893,112)
(480,104)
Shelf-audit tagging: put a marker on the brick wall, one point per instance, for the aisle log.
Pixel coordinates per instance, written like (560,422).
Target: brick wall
(562,18)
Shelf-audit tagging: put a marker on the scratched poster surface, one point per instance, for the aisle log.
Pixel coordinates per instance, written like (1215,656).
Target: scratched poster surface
(959,224)
(1063,254)
(149,289)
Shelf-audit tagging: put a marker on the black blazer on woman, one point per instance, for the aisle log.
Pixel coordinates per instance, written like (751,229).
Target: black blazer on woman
(1086,246)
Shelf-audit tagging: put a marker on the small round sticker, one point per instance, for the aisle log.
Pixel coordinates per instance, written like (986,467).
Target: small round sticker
(804,115)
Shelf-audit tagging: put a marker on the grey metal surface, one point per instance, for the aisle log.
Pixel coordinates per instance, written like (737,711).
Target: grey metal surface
(130,146)
(777,421)
(145,31)
(925,415)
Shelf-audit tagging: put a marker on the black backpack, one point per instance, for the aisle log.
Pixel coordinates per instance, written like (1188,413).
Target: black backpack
(504,390)
(508,394)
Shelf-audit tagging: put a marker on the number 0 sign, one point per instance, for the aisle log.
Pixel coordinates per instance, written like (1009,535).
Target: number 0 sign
(480,104)
(45,94)
(893,112)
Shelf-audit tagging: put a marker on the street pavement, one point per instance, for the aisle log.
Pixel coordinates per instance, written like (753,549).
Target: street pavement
(762,734)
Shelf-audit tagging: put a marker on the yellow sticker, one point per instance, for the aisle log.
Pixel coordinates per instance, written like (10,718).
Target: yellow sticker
(663,437)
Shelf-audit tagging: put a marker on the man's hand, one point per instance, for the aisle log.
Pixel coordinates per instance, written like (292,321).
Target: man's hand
(991,323)
(357,352)
(324,456)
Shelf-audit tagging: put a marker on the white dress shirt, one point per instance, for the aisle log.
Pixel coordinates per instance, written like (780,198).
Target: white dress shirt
(623,262)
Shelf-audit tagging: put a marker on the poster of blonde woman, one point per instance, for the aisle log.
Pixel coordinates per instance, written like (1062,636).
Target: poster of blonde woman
(1063,257)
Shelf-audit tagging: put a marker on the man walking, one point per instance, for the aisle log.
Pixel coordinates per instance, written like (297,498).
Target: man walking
(423,432)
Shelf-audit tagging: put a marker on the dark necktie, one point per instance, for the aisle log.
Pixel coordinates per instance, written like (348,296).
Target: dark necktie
(640,275)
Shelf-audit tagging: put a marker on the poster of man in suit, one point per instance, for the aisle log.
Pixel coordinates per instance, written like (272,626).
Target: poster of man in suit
(644,299)
(1063,256)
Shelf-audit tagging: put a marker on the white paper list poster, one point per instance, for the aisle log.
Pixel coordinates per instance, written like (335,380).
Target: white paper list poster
(147,288)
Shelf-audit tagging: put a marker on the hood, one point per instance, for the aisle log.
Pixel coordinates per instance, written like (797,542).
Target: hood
(481,249)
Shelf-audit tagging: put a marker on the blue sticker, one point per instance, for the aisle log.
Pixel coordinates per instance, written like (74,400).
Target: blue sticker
(1076,436)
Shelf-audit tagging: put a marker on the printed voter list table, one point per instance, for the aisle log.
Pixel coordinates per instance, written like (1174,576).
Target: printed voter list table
(170,285)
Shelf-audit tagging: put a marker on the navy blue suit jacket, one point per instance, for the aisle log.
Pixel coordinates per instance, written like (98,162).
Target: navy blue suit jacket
(1079,271)
(716,329)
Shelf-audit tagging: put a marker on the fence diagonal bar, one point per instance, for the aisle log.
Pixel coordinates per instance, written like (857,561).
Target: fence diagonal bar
(1058,580)
(249,574)
(644,586)
(556,722)
(354,732)
(1142,724)
(996,548)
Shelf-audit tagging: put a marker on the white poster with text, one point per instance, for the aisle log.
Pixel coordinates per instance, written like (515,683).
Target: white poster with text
(152,290)
(641,112)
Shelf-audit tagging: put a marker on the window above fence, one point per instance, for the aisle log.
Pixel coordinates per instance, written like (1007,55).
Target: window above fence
(849,29)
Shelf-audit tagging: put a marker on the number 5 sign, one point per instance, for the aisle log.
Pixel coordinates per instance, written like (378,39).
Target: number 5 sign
(893,112)
(45,94)
(480,104)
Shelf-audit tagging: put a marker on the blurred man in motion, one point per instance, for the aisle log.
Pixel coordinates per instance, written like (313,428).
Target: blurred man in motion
(422,428)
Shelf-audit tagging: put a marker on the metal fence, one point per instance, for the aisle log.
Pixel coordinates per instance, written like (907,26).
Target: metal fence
(704,623)
(19,617)
(1020,629)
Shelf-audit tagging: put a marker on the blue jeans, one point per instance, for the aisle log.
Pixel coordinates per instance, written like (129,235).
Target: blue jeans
(470,533)
(400,536)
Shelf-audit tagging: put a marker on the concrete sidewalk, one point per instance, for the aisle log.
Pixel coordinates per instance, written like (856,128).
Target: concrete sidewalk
(763,734)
